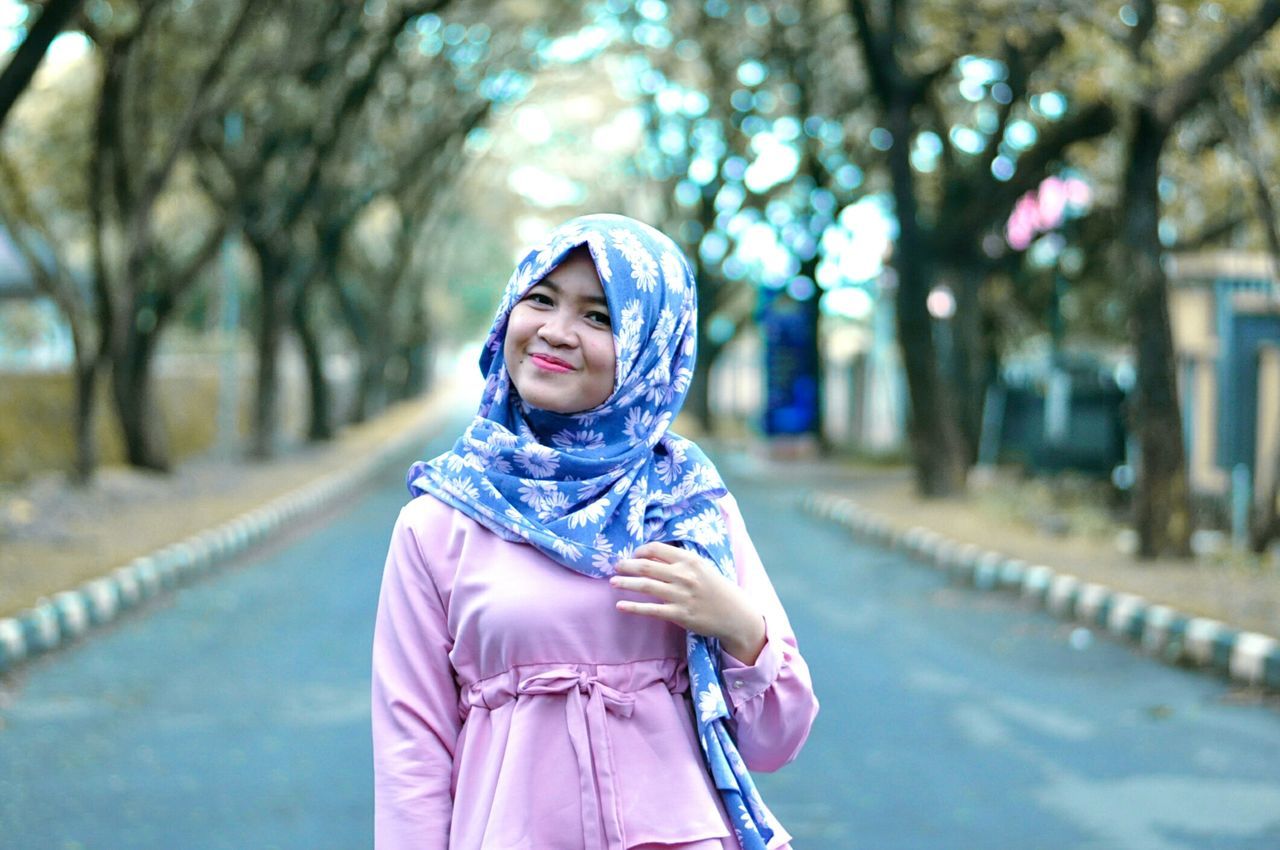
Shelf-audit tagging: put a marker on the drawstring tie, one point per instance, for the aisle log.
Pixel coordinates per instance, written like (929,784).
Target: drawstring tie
(587,700)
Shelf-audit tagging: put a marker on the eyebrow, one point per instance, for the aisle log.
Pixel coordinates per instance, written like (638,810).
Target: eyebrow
(555,287)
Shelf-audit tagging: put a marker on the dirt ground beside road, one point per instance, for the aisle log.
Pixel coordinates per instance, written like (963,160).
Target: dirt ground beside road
(54,536)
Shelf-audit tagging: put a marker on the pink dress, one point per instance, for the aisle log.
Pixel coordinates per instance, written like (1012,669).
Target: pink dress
(514,707)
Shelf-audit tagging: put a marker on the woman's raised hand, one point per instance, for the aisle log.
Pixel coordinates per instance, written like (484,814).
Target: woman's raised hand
(693,594)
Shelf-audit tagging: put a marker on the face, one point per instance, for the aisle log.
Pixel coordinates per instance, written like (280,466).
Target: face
(559,342)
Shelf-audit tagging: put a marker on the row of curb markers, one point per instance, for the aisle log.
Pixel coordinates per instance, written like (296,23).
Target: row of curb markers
(57,621)
(1246,657)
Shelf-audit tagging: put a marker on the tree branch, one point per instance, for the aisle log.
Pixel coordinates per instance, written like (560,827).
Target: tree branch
(350,103)
(879,60)
(19,215)
(1177,98)
(198,106)
(1020,63)
(1219,229)
(15,78)
(1094,120)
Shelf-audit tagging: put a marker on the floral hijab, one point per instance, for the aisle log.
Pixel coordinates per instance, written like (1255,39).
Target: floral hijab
(588,488)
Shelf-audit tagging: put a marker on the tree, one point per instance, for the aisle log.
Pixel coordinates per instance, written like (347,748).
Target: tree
(35,239)
(289,130)
(739,133)
(352,143)
(384,312)
(944,223)
(1162,514)
(1244,118)
(141,133)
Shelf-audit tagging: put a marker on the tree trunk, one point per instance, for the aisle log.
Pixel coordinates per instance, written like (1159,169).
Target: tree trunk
(320,416)
(1162,511)
(272,314)
(1266,516)
(141,425)
(416,352)
(813,315)
(86,403)
(1266,520)
(417,379)
(375,354)
(973,364)
(371,391)
(937,451)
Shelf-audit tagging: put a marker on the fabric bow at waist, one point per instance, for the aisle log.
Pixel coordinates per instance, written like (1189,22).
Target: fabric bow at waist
(590,692)
(587,699)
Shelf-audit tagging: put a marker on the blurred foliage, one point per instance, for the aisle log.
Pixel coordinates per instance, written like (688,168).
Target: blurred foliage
(367,170)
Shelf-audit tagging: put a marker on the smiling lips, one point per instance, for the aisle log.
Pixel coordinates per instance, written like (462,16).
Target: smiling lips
(549,363)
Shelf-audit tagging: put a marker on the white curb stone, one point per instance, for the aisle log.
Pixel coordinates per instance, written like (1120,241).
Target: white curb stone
(1155,629)
(103,598)
(1090,601)
(130,591)
(1249,657)
(1062,594)
(44,621)
(1201,633)
(1125,608)
(1035,581)
(1011,572)
(73,613)
(12,641)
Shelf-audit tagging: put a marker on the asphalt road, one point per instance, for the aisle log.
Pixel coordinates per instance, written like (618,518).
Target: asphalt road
(235,713)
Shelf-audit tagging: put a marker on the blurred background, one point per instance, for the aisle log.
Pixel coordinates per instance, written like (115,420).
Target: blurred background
(954,236)
(1004,269)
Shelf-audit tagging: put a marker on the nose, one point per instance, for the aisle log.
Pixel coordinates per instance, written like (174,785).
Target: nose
(557,329)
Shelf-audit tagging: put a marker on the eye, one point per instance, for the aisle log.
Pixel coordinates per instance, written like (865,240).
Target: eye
(540,298)
(599,318)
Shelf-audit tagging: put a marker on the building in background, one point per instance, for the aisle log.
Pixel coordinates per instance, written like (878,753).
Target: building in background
(1225,312)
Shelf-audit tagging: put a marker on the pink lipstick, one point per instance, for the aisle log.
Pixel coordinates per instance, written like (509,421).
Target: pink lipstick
(551,364)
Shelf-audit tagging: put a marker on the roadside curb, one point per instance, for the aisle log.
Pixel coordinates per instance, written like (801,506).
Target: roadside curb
(63,618)
(1160,631)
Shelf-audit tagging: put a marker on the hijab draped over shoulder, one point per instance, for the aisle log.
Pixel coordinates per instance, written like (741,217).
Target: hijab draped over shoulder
(587,488)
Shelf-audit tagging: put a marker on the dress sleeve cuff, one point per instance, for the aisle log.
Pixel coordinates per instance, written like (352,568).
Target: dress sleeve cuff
(744,683)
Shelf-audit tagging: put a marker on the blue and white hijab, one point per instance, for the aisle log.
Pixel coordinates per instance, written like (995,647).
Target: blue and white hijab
(588,488)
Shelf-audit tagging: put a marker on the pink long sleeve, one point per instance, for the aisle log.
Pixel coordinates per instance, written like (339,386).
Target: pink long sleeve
(772,700)
(568,702)
(415,704)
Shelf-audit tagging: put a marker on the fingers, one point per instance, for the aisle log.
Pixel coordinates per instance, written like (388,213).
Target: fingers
(662,551)
(658,610)
(646,567)
(653,587)
(661,560)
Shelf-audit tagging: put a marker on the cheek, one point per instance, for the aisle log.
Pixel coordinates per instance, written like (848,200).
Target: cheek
(514,337)
(603,355)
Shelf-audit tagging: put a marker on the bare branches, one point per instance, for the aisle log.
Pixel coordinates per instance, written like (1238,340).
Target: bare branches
(180,137)
(881,64)
(1247,134)
(54,17)
(1177,98)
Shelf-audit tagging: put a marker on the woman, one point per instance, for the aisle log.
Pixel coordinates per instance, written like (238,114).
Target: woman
(520,704)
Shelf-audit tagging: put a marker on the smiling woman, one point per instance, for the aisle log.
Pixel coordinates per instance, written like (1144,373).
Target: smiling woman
(558,345)
(573,583)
